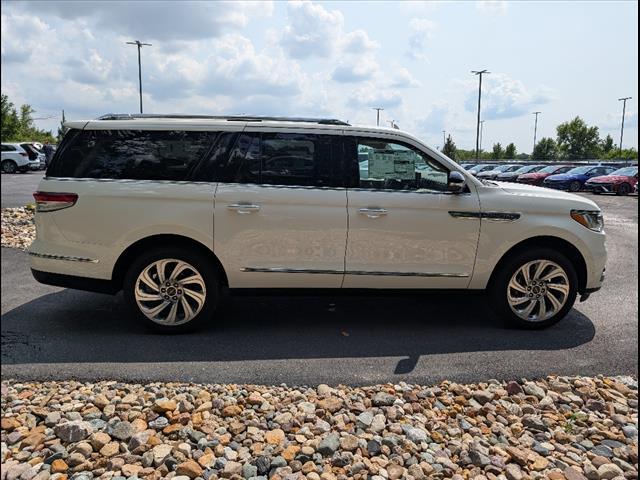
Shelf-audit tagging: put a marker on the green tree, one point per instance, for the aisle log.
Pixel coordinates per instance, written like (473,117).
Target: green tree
(626,154)
(510,152)
(607,145)
(449,148)
(9,121)
(497,152)
(545,149)
(578,141)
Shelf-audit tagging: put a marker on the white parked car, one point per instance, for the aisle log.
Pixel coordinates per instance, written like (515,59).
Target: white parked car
(174,210)
(15,158)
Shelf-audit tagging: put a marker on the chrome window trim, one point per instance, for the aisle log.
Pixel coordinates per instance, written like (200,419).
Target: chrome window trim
(68,258)
(349,272)
(128,180)
(493,216)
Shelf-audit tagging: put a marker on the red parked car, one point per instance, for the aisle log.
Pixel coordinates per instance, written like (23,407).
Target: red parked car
(536,178)
(620,182)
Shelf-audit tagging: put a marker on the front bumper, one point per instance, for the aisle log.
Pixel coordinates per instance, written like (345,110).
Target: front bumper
(557,185)
(601,187)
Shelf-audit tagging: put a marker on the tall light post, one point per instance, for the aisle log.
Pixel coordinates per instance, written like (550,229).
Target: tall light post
(140,45)
(444,138)
(535,129)
(378,115)
(624,108)
(479,73)
(481,129)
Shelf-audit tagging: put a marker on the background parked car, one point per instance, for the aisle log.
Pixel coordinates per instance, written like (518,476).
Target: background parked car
(482,167)
(16,159)
(514,174)
(575,178)
(620,182)
(536,178)
(492,174)
(467,166)
(35,153)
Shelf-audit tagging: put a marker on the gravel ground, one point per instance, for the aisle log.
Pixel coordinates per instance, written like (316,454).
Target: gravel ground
(557,428)
(18,230)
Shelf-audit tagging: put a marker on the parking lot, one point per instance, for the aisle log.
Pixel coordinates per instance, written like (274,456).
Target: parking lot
(50,332)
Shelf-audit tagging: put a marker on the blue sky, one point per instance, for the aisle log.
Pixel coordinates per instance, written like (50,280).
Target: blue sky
(333,59)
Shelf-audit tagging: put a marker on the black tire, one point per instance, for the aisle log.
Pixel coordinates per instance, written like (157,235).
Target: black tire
(200,263)
(497,291)
(624,189)
(575,186)
(9,166)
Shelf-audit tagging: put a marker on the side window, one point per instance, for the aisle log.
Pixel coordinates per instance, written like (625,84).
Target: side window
(129,154)
(283,159)
(8,148)
(394,166)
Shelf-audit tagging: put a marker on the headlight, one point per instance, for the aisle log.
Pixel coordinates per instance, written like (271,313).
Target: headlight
(592,219)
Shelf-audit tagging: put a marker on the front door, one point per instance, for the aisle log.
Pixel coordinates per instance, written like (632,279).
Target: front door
(280,218)
(404,231)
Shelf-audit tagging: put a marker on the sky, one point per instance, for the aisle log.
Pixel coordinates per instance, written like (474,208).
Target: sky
(333,59)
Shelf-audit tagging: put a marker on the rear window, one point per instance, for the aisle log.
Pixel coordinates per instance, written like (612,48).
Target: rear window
(131,154)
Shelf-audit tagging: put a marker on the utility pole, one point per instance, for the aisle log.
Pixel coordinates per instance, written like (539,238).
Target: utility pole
(378,115)
(481,129)
(140,45)
(535,130)
(444,138)
(624,108)
(479,73)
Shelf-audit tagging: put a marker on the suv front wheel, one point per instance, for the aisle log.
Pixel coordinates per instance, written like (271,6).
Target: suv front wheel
(172,290)
(535,289)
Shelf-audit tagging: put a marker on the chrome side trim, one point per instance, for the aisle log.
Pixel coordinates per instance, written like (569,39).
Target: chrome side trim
(493,216)
(63,257)
(350,272)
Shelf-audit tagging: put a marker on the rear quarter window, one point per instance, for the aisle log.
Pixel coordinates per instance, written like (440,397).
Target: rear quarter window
(131,154)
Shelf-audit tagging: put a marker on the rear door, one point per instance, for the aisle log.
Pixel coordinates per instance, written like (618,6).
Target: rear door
(405,229)
(280,218)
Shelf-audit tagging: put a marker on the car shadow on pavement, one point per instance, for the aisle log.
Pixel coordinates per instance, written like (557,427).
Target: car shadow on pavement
(75,327)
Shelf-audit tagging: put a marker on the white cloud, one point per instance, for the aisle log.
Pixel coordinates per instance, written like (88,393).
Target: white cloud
(422,30)
(357,42)
(402,78)
(492,6)
(504,97)
(312,30)
(370,96)
(357,70)
(613,120)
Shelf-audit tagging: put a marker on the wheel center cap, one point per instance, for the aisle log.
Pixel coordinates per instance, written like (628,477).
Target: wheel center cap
(171,291)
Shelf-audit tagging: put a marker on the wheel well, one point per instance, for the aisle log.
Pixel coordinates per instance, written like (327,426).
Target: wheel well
(133,250)
(555,243)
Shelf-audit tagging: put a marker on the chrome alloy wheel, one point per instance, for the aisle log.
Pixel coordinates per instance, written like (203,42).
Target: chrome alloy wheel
(170,292)
(538,290)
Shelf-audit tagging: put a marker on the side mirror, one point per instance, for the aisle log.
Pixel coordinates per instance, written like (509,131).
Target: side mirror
(456,182)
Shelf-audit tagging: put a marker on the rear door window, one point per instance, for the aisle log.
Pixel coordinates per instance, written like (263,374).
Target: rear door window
(132,154)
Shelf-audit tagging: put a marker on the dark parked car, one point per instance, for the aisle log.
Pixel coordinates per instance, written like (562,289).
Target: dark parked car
(575,178)
(536,178)
(620,182)
(482,167)
(513,176)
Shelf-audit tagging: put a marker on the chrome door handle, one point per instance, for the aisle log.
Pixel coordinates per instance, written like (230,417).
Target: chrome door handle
(244,208)
(373,212)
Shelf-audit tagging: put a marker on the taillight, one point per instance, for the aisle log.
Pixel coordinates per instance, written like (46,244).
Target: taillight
(50,201)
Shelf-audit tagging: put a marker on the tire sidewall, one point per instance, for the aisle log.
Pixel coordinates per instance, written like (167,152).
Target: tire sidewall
(572,186)
(204,267)
(9,162)
(498,289)
(624,189)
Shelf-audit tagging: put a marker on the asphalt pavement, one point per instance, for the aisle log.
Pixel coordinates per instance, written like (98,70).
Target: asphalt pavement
(54,333)
(17,188)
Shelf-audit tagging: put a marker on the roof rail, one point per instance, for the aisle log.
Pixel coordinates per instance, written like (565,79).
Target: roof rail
(231,118)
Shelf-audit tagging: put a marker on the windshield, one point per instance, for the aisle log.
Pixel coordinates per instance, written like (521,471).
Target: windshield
(626,171)
(528,168)
(580,170)
(550,169)
(503,168)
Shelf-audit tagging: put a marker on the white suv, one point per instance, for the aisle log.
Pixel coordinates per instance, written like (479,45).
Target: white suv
(16,158)
(175,210)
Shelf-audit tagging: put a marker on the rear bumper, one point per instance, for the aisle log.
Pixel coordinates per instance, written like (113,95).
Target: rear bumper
(77,283)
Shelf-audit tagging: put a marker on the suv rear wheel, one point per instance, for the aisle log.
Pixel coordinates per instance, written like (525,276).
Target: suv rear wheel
(535,289)
(172,290)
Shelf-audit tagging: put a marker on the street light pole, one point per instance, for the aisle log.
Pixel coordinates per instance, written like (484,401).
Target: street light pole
(535,129)
(378,115)
(139,45)
(624,107)
(479,73)
(444,138)
(481,129)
